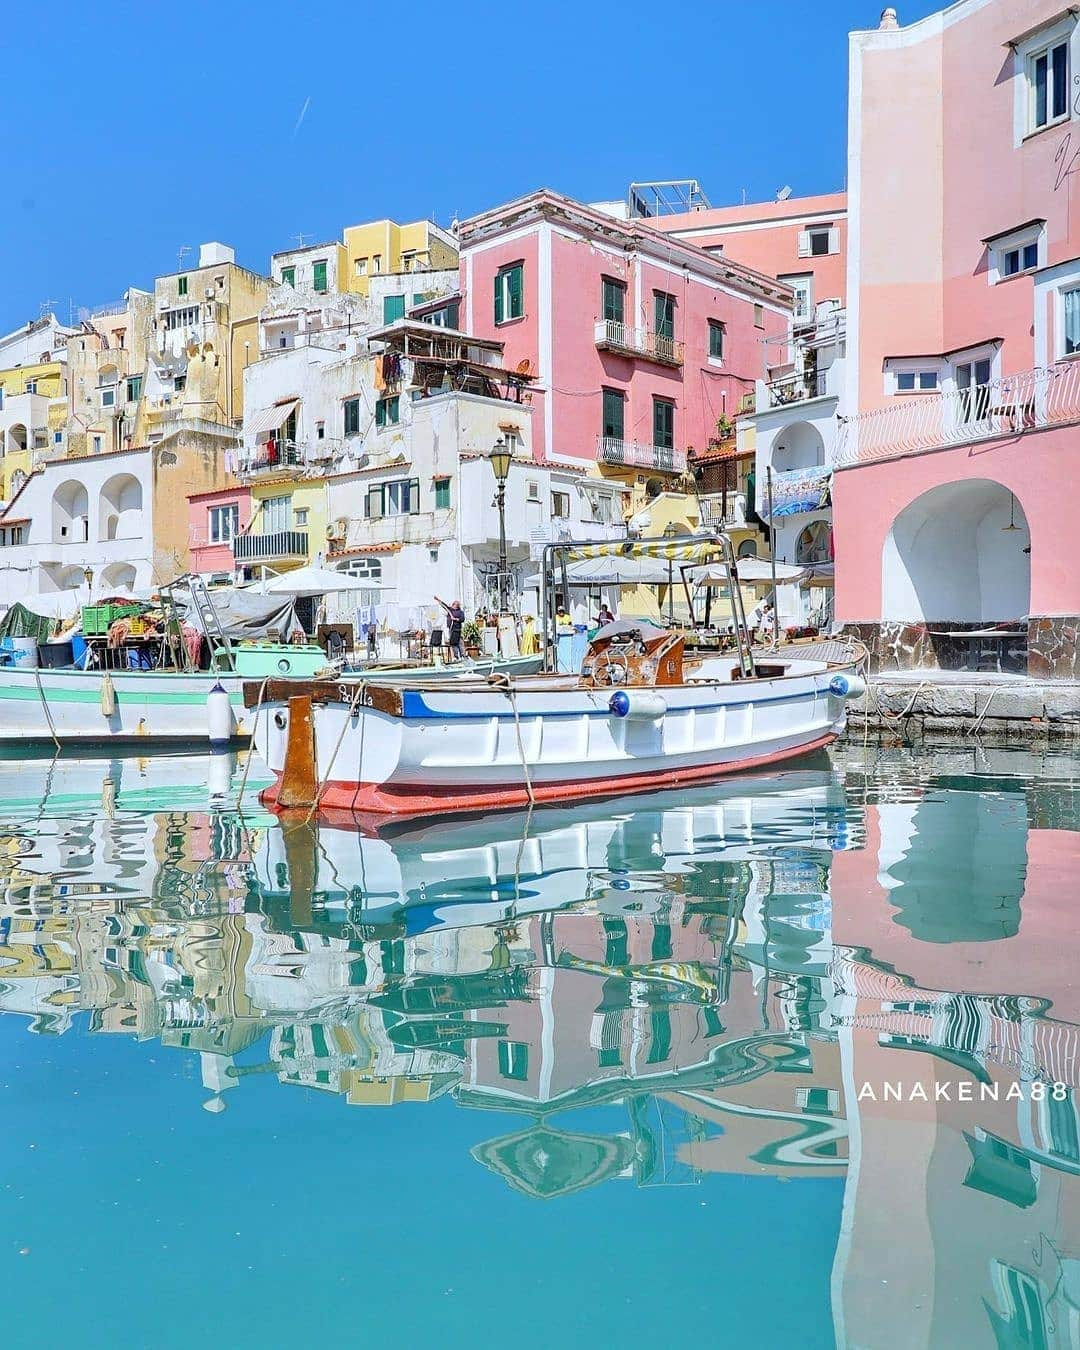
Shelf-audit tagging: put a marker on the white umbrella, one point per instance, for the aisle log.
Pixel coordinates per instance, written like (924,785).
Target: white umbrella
(312,580)
(613,570)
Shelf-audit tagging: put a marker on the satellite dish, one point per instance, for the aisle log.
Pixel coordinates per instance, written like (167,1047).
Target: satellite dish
(783,193)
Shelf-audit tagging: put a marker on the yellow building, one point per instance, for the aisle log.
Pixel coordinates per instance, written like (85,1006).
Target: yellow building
(382,246)
(288,524)
(33,413)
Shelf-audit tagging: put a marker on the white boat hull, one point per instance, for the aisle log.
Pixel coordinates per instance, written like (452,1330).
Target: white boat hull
(546,740)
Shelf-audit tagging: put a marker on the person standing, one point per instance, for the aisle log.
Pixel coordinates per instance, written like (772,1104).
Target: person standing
(455,618)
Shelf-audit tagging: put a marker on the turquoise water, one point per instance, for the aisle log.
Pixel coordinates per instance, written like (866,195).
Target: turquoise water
(767,1063)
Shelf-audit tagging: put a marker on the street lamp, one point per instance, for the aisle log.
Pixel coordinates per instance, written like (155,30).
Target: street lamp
(88,577)
(671,530)
(499,458)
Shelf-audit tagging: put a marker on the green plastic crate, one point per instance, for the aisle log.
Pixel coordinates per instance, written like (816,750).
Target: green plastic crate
(97,619)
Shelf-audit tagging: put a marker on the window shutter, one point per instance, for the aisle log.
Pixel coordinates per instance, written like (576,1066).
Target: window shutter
(393,308)
(516,306)
(414,496)
(834,240)
(498,297)
(804,243)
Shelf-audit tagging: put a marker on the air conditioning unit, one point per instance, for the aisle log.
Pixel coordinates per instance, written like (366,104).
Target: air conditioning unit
(209,293)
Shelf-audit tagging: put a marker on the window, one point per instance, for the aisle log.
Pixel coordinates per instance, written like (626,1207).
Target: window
(663,423)
(912,381)
(300,515)
(318,274)
(560,505)
(514,1060)
(97,445)
(401,497)
(1020,259)
(224,523)
(364,569)
(973,385)
(108,397)
(276,514)
(352,416)
(612,300)
(509,293)
(288,276)
(445,317)
(31,386)
(759,316)
(393,307)
(664,315)
(716,340)
(442,494)
(614,414)
(1048,86)
(1020,251)
(181,285)
(320,431)
(360,267)
(1070,306)
(187,317)
(58,438)
(387,411)
(802,283)
(819,241)
(180,383)
(376,262)
(134,388)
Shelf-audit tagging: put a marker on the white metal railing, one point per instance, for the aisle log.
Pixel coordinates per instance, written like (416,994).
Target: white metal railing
(1034,399)
(639,341)
(639,455)
(795,389)
(718,510)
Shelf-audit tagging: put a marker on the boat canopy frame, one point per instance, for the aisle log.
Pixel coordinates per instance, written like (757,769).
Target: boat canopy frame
(713,549)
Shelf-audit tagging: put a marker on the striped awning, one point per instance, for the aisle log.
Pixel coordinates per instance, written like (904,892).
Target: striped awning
(270,419)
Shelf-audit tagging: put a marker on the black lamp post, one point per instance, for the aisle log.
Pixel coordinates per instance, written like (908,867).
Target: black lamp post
(500,466)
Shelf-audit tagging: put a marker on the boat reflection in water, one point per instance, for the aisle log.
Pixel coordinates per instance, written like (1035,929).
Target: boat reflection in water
(742,974)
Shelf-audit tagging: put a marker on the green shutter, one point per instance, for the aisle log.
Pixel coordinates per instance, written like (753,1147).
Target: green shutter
(318,273)
(352,417)
(380,413)
(181,286)
(498,297)
(664,314)
(517,308)
(452,312)
(614,408)
(393,308)
(288,276)
(442,494)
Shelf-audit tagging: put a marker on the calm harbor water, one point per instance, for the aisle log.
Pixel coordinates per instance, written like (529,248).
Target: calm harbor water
(789,1060)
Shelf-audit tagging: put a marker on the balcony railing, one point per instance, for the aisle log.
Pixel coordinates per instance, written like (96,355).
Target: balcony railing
(620,337)
(723,510)
(795,389)
(638,455)
(264,547)
(913,423)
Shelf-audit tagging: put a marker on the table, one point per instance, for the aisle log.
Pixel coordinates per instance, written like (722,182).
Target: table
(976,636)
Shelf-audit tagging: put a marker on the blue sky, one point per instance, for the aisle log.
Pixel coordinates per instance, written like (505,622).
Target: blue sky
(135,129)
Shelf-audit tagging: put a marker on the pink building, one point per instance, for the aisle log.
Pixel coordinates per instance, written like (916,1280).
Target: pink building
(214,520)
(963,326)
(640,343)
(802,241)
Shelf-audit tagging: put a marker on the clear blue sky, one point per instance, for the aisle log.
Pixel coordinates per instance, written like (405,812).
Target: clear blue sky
(135,128)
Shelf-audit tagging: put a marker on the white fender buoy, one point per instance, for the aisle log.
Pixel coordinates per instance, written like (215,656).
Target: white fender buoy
(637,705)
(847,685)
(219,715)
(108,696)
(219,775)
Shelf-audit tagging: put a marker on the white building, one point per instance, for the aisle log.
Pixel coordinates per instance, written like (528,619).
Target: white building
(795,426)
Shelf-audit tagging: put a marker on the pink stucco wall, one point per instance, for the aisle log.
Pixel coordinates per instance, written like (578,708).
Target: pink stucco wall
(701,389)
(207,557)
(1033,467)
(765,236)
(937,172)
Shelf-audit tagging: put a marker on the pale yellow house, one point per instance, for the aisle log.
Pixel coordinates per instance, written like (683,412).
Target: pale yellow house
(382,246)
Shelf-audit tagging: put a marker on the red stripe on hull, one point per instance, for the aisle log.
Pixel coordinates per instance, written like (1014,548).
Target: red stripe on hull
(374,798)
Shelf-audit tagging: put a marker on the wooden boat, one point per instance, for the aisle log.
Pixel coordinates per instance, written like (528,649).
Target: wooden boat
(640,716)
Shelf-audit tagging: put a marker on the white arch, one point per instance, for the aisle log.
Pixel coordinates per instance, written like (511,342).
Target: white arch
(121,508)
(117,577)
(958,553)
(797,446)
(70,508)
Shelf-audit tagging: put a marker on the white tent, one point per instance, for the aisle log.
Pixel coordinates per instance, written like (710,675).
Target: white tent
(613,570)
(312,580)
(750,570)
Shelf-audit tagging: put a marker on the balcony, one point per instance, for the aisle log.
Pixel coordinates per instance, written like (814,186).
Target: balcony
(795,389)
(638,455)
(612,336)
(913,423)
(280,546)
(723,510)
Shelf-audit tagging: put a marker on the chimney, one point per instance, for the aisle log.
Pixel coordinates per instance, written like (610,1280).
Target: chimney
(888,18)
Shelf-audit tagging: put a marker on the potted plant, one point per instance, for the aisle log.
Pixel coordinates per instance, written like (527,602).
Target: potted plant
(470,635)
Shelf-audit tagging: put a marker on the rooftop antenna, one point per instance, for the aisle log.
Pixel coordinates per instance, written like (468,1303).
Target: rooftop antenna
(183,250)
(782,194)
(45,309)
(300,238)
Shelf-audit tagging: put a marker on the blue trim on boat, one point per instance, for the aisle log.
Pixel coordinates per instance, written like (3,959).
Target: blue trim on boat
(415,709)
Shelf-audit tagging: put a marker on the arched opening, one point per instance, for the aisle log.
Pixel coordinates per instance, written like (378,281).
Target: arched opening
(748,548)
(121,508)
(797,446)
(960,553)
(16,438)
(812,545)
(117,577)
(71,522)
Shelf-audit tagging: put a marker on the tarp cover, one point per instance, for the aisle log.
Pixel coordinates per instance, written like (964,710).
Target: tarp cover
(243,614)
(20,622)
